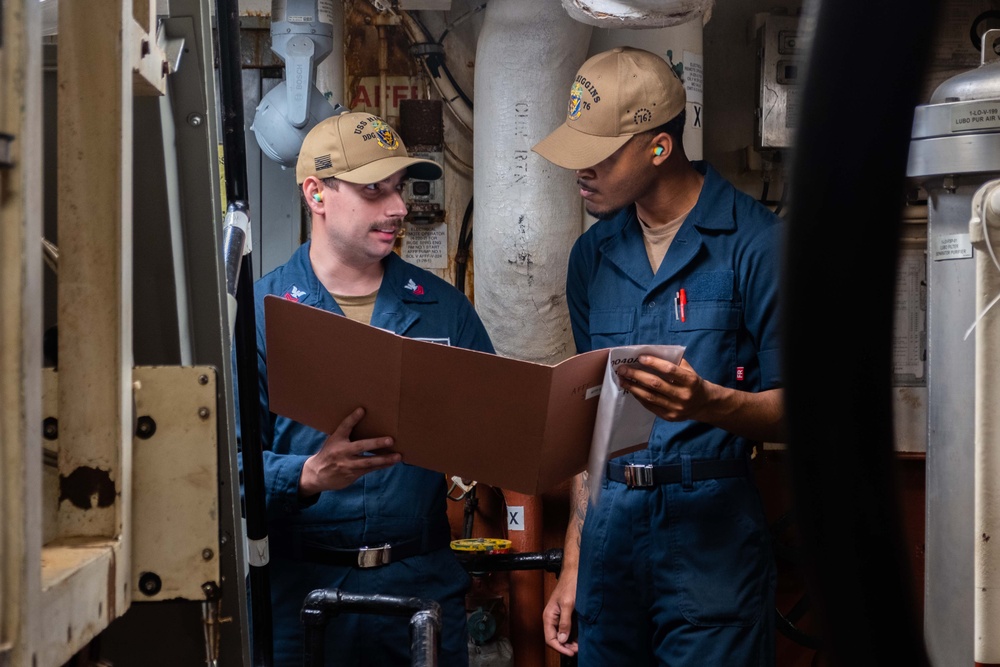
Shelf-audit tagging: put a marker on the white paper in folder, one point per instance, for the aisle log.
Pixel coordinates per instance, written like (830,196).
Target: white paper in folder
(622,422)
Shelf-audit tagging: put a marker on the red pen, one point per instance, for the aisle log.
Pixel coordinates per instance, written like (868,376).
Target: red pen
(684,300)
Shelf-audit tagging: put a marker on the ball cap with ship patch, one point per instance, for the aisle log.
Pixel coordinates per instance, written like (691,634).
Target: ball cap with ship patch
(615,95)
(358,148)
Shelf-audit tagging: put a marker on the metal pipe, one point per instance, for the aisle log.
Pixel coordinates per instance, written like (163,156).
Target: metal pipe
(245,336)
(178,253)
(330,71)
(446,89)
(322,604)
(477,563)
(383,72)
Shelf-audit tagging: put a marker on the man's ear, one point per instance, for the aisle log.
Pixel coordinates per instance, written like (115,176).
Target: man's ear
(312,190)
(661,147)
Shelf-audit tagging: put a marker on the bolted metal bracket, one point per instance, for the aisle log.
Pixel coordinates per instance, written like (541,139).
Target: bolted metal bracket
(175,481)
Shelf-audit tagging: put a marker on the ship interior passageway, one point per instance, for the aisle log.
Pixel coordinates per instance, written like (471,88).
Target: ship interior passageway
(150,178)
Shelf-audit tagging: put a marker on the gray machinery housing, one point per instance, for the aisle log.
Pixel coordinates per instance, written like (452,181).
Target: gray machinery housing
(955,149)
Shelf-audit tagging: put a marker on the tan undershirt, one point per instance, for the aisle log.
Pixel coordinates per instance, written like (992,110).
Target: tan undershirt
(658,239)
(357,308)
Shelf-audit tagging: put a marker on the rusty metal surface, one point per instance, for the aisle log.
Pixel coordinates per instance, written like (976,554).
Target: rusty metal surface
(255,44)
(421,123)
(361,49)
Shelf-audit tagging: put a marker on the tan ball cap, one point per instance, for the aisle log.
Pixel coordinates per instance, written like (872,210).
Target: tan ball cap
(358,148)
(616,94)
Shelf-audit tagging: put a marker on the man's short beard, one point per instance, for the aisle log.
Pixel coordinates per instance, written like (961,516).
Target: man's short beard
(604,215)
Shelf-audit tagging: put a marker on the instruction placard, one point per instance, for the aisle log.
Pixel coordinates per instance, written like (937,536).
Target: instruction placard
(951,246)
(426,245)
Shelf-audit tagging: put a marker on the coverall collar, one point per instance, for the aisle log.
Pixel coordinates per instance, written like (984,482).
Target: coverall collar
(401,286)
(623,248)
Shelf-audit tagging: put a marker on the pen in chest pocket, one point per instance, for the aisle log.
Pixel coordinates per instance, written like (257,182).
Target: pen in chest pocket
(680,302)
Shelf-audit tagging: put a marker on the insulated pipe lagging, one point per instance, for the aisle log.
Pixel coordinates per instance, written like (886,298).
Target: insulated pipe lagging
(642,14)
(527,211)
(984,232)
(527,214)
(330,71)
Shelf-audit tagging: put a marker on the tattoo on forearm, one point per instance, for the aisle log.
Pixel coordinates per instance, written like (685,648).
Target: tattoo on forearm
(580,503)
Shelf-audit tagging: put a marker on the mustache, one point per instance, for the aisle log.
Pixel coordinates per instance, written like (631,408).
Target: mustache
(386,226)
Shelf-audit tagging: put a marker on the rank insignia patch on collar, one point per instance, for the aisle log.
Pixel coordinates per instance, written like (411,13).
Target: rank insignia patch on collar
(413,287)
(293,294)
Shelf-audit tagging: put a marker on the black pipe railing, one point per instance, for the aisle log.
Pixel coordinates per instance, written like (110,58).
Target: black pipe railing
(245,333)
(425,622)
(323,604)
(479,562)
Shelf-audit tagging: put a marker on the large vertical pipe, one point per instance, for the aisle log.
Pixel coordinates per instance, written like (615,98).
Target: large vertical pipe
(330,71)
(984,232)
(527,215)
(527,211)
(527,587)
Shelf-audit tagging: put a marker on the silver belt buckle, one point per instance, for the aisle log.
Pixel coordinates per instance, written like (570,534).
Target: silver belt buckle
(638,475)
(374,556)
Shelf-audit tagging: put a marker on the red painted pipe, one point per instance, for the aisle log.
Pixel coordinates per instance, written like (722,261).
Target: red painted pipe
(526,586)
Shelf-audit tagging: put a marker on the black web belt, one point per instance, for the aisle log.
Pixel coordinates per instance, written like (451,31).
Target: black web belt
(375,555)
(637,475)
(363,557)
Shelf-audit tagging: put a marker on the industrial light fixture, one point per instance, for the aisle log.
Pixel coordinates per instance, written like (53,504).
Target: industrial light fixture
(301,35)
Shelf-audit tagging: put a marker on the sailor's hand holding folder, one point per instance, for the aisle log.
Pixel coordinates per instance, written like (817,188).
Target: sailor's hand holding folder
(341,461)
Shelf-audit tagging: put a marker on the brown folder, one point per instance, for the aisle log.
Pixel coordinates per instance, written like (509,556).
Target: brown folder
(513,424)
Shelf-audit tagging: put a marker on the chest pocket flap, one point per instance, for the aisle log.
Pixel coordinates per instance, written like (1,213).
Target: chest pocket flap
(711,302)
(612,321)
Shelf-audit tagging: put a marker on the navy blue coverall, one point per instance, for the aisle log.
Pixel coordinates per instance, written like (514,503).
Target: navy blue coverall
(682,574)
(395,505)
